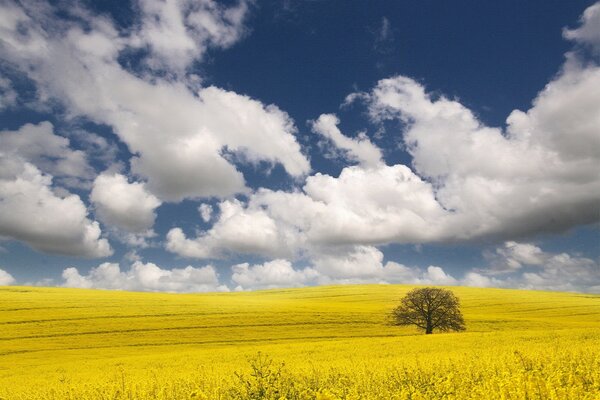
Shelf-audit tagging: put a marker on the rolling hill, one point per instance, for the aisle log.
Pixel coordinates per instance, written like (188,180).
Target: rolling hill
(319,342)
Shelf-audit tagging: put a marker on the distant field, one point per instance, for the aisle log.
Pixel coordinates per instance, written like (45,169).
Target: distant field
(323,342)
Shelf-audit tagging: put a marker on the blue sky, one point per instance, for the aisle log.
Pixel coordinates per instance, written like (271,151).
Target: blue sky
(201,145)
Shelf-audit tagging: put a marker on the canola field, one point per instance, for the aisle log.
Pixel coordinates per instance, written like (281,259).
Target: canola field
(311,343)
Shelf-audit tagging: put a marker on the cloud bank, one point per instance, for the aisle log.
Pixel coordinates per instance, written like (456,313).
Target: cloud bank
(125,205)
(467,181)
(32,212)
(145,277)
(187,140)
(6,278)
(511,265)
(157,118)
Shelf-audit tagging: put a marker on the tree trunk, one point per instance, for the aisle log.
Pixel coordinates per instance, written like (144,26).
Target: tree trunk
(429,328)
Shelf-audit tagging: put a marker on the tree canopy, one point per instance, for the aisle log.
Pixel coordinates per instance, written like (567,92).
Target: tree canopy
(428,309)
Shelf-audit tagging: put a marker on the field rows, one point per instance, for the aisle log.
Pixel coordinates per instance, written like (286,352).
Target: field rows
(333,342)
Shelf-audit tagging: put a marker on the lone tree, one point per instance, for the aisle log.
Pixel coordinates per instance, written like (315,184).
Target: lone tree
(430,308)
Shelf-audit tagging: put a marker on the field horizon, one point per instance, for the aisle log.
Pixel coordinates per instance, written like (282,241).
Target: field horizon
(187,173)
(325,342)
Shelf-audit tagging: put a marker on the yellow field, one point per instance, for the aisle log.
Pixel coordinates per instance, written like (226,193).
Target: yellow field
(323,343)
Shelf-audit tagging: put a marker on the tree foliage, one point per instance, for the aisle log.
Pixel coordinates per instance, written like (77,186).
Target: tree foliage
(428,309)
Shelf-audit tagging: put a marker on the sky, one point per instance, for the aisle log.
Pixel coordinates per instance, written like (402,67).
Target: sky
(186,146)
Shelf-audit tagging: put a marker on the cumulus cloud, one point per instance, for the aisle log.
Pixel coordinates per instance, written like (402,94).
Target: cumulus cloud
(564,272)
(205,211)
(6,278)
(271,274)
(379,205)
(342,265)
(476,279)
(30,211)
(158,119)
(96,147)
(361,206)
(469,181)
(538,270)
(142,240)
(359,150)
(527,266)
(538,176)
(238,230)
(39,145)
(589,31)
(179,32)
(348,264)
(512,256)
(436,275)
(364,264)
(8,95)
(145,277)
(127,206)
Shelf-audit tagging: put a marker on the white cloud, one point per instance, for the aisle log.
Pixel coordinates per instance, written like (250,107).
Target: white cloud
(349,265)
(540,176)
(359,150)
(361,206)
(564,272)
(385,32)
(179,32)
(132,256)
(96,147)
(470,181)
(157,119)
(512,256)
(527,266)
(256,131)
(436,275)
(564,119)
(589,31)
(39,145)
(272,274)
(237,230)
(373,206)
(192,133)
(205,211)
(31,212)
(127,206)
(478,280)
(141,239)
(361,262)
(8,95)
(145,277)
(384,36)
(467,181)
(364,264)
(6,278)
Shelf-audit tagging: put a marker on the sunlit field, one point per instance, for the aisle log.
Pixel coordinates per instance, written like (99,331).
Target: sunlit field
(313,343)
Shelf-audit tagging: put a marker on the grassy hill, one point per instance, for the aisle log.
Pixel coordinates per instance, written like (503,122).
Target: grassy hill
(333,341)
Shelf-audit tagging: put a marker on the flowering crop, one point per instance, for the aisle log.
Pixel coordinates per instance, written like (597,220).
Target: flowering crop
(313,343)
